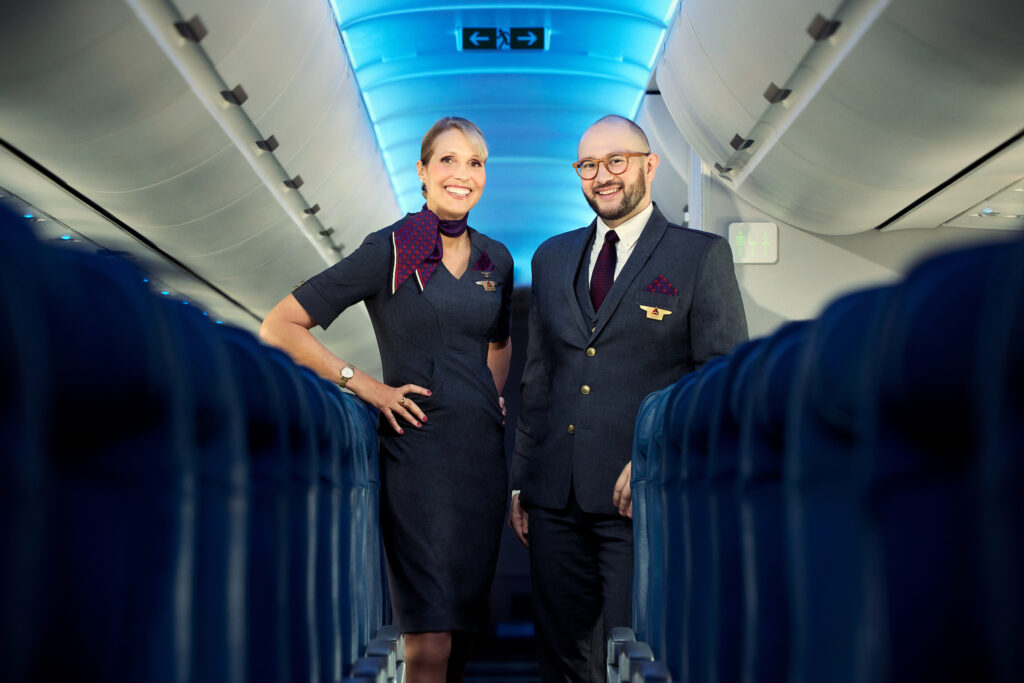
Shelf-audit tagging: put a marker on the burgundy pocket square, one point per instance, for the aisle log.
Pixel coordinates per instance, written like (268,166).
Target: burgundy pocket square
(660,285)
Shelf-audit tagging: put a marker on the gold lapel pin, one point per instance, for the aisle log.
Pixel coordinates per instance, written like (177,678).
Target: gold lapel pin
(488,285)
(655,313)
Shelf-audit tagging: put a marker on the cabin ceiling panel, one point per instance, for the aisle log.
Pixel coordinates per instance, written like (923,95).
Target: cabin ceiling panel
(999,177)
(665,138)
(886,111)
(288,42)
(412,69)
(701,104)
(129,113)
(228,22)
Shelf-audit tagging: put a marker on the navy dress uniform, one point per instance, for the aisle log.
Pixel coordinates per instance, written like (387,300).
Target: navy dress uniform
(444,484)
(674,305)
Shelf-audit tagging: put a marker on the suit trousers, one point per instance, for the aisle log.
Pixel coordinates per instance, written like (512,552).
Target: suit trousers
(581,567)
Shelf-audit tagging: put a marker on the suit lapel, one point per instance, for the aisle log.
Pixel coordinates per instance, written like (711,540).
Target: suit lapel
(573,261)
(649,239)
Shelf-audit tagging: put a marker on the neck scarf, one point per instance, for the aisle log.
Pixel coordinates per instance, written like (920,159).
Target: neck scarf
(418,248)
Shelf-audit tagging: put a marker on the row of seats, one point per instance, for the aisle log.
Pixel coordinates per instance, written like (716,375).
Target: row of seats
(177,502)
(841,501)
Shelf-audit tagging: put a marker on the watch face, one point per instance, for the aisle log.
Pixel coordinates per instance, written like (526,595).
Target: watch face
(347,372)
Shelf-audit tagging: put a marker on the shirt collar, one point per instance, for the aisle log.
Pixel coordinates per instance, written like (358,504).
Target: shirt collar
(628,232)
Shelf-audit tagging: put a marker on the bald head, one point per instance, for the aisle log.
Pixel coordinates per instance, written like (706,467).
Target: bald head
(622,128)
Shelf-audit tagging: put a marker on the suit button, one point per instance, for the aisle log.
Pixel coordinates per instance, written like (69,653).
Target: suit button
(591,351)
(585,389)
(572,429)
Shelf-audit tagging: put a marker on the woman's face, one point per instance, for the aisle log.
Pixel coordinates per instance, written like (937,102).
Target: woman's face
(454,175)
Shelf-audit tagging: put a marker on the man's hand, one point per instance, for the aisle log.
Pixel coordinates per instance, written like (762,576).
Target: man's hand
(623,497)
(519,520)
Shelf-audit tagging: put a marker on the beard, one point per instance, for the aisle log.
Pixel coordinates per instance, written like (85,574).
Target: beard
(632,194)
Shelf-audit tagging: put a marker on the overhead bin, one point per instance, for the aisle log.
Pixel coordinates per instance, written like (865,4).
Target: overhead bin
(837,117)
(135,110)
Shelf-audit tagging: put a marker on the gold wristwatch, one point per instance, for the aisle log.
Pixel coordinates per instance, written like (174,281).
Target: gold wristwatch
(347,373)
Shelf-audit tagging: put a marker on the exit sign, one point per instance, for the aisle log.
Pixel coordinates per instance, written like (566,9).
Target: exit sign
(492,38)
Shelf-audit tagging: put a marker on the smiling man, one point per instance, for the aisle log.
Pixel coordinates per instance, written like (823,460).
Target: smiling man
(618,309)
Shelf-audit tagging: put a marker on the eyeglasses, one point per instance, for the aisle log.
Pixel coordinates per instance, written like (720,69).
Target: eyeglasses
(616,163)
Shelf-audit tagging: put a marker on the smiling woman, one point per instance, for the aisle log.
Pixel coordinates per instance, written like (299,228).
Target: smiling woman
(452,158)
(445,349)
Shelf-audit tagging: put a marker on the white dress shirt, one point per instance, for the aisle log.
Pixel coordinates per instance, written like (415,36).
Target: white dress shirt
(628,232)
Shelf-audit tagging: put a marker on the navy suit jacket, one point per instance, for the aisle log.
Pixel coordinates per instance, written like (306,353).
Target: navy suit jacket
(586,373)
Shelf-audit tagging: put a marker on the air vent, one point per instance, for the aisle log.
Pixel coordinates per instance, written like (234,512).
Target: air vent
(312,210)
(822,28)
(268,145)
(328,232)
(193,29)
(236,95)
(775,94)
(739,143)
(294,183)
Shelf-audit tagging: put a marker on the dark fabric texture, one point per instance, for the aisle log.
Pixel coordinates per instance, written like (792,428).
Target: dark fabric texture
(443,485)
(581,567)
(632,354)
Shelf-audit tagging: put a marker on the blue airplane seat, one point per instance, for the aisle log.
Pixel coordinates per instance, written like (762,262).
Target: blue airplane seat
(763,405)
(268,608)
(218,605)
(675,540)
(698,602)
(302,518)
(119,526)
(330,512)
(649,435)
(922,585)
(726,590)
(24,388)
(999,390)
(365,574)
(350,588)
(824,529)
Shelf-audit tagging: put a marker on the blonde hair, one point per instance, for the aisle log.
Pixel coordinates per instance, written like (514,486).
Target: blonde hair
(446,123)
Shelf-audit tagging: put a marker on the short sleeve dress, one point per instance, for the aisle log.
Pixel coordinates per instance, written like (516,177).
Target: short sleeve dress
(444,485)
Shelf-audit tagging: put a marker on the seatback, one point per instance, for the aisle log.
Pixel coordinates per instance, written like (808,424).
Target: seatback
(763,406)
(724,531)
(302,517)
(999,391)
(218,605)
(25,386)
(824,426)
(120,528)
(268,611)
(697,519)
(672,644)
(920,581)
(364,575)
(329,519)
(648,550)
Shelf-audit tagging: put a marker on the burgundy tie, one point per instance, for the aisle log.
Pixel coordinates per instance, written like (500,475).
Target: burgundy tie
(604,270)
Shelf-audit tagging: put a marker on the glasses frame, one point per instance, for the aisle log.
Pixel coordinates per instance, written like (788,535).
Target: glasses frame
(604,160)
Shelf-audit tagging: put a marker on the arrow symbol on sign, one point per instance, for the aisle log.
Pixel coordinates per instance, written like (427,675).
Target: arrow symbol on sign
(476,38)
(530,38)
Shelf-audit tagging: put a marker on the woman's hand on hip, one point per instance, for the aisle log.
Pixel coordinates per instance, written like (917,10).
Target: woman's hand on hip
(393,402)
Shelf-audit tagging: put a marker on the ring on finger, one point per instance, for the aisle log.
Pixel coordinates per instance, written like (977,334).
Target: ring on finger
(402,402)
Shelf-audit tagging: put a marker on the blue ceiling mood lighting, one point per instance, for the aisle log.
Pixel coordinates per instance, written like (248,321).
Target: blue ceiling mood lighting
(416,62)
